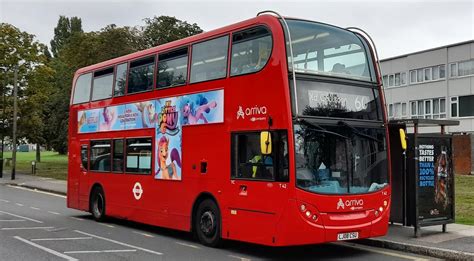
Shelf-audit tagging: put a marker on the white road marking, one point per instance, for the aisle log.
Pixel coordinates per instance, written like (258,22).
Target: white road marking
(60,238)
(188,245)
(55,213)
(46,249)
(35,208)
(378,251)
(24,228)
(100,251)
(120,243)
(18,216)
(4,200)
(37,191)
(76,218)
(18,204)
(238,257)
(107,225)
(11,220)
(143,234)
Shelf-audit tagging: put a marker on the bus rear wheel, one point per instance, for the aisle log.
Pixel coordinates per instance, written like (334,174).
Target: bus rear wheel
(97,204)
(207,223)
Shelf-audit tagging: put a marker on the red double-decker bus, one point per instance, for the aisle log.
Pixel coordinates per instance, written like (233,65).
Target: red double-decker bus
(271,131)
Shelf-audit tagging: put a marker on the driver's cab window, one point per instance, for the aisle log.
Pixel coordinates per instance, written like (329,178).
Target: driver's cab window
(249,163)
(84,158)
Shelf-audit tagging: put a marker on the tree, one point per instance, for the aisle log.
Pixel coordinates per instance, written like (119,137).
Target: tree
(64,30)
(19,51)
(164,29)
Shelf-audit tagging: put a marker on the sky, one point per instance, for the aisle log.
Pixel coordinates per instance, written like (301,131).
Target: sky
(397,27)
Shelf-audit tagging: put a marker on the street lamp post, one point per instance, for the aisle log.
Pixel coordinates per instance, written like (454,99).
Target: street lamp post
(3,124)
(15,93)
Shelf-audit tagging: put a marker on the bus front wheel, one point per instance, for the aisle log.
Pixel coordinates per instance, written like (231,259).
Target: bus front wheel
(97,204)
(207,223)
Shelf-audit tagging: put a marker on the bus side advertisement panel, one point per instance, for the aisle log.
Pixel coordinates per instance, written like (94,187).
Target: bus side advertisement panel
(174,113)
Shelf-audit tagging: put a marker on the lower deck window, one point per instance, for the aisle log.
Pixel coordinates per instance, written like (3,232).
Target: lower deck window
(138,159)
(100,155)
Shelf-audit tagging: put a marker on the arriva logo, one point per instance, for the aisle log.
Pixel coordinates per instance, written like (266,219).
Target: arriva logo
(340,204)
(255,113)
(353,204)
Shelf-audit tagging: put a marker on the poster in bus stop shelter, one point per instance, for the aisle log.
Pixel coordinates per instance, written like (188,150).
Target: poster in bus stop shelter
(168,140)
(87,121)
(435,178)
(202,108)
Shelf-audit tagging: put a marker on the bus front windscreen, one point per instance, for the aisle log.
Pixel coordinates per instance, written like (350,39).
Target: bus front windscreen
(328,50)
(340,159)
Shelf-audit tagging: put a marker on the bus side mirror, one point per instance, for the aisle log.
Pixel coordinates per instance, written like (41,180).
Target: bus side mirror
(265,142)
(403,139)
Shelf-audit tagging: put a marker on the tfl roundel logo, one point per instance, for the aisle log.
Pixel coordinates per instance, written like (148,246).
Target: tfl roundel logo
(137,190)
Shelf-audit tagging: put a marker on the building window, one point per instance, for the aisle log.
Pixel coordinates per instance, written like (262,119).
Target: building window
(466,68)
(100,155)
(453,70)
(428,109)
(385,80)
(413,110)
(404,110)
(412,76)
(466,106)
(454,106)
(403,78)
(390,110)
(442,71)
(427,74)
(419,75)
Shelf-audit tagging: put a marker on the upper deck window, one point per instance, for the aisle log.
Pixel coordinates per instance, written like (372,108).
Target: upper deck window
(120,79)
(140,75)
(82,90)
(102,85)
(250,50)
(209,59)
(328,50)
(172,68)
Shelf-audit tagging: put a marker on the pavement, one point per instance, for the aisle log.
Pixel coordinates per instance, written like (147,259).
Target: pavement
(457,243)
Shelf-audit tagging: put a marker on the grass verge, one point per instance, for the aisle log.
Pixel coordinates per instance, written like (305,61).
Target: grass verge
(52,165)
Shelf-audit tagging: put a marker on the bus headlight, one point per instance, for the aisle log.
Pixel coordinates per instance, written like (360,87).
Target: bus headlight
(302,208)
(308,213)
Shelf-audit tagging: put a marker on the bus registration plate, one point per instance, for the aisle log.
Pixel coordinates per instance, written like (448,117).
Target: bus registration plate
(347,236)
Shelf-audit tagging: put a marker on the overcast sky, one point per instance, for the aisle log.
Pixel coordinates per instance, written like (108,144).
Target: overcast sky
(397,27)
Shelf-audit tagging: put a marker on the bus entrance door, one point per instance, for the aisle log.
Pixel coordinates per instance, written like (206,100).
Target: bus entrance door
(254,209)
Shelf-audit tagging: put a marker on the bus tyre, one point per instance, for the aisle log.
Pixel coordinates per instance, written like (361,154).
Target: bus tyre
(207,223)
(97,204)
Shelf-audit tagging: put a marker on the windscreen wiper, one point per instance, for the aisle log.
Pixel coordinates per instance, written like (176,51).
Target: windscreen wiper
(357,132)
(321,129)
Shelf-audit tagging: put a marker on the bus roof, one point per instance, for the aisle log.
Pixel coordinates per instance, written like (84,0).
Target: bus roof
(178,43)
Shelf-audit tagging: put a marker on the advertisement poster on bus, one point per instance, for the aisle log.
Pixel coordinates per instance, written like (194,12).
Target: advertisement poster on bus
(112,118)
(435,178)
(202,108)
(140,115)
(87,121)
(168,140)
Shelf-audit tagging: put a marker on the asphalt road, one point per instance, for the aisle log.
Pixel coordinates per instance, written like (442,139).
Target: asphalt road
(38,226)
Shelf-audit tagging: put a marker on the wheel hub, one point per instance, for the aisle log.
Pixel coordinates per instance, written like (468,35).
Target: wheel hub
(208,223)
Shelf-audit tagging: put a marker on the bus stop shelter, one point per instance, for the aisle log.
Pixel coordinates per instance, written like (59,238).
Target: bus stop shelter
(423,174)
